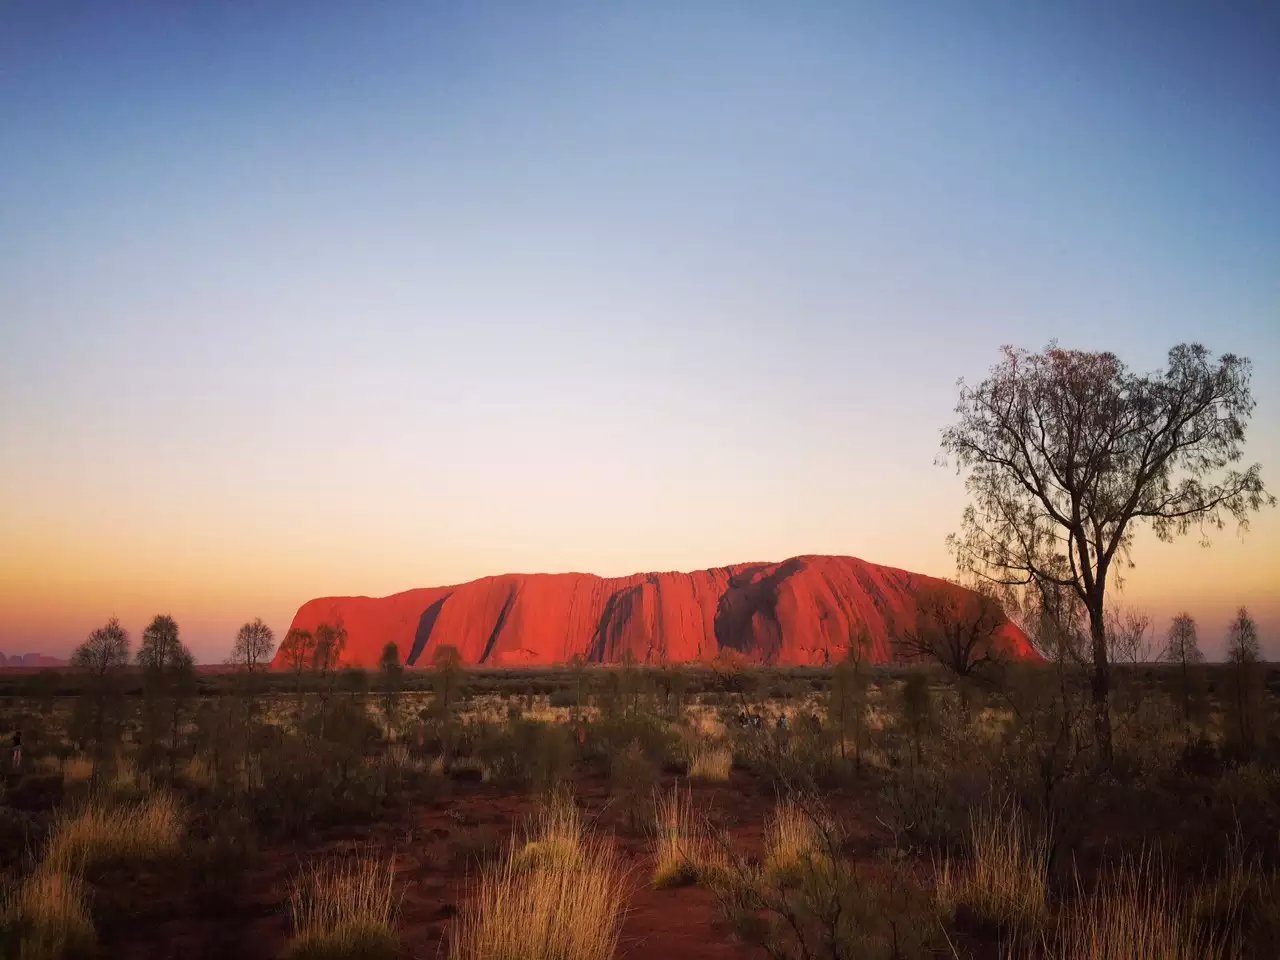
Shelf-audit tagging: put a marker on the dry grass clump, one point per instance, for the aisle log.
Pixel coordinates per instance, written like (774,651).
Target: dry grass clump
(551,909)
(1004,879)
(197,772)
(345,910)
(793,840)
(77,769)
(49,913)
(684,850)
(144,831)
(1134,914)
(710,762)
(555,835)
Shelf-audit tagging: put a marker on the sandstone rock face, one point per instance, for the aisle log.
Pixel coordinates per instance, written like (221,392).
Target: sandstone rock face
(805,610)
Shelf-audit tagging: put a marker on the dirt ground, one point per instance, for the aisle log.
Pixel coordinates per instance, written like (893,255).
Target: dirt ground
(438,847)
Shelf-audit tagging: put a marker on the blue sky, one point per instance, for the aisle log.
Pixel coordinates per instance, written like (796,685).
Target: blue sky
(312,298)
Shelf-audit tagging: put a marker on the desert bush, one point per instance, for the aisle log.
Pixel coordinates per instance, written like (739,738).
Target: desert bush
(684,850)
(633,776)
(47,918)
(710,762)
(824,908)
(610,736)
(1003,881)
(148,830)
(925,806)
(345,910)
(552,909)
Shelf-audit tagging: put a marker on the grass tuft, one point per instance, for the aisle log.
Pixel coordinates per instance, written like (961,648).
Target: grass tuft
(710,763)
(345,910)
(148,830)
(49,913)
(1003,882)
(684,850)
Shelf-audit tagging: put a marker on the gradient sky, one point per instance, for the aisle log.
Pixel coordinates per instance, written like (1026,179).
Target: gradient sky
(318,298)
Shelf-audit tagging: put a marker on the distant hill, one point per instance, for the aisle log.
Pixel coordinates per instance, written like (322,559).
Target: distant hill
(30,660)
(805,610)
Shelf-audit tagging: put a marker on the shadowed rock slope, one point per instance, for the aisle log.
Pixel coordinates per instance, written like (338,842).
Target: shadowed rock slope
(802,611)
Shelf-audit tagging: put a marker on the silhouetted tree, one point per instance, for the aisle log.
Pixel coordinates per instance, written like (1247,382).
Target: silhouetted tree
(254,644)
(1068,451)
(847,698)
(1246,682)
(917,709)
(390,682)
(1181,648)
(102,659)
(961,630)
(168,681)
(446,677)
(1129,637)
(296,651)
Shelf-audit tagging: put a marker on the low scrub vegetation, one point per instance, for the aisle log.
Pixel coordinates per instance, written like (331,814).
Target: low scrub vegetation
(562,902)
(345,910)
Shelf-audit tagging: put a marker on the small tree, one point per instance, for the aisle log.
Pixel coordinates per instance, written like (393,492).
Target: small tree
(251,654)
(917,709)
(1245,692)
(578,667)
(847,698)
(296,650)
(390,682)
(1129,637)
(102,659)
(168,680)
(960,629)
(326,659)
(446,676)
(1182,649)
(254,644)
(1067,452)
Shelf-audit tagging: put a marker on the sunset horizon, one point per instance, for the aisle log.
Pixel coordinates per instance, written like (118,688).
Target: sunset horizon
(301,305)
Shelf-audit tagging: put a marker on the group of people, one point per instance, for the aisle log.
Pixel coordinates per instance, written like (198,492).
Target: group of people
(753,721)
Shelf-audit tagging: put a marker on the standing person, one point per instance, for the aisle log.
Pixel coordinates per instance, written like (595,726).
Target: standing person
(17,748)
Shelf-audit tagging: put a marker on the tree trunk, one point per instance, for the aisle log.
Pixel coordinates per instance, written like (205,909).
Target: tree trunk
(1101,685)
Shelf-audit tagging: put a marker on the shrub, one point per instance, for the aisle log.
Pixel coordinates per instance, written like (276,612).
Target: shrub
(633,776)
(684,850)
(148,830)
(344,910)
(47,918)
(556,909)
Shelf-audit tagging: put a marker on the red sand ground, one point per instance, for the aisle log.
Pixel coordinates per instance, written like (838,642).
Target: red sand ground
(433,863)
(802,611)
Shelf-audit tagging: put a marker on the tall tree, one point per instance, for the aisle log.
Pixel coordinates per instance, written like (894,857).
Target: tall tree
(102,658)
(168,680)
(1068,451)
(251,653)
(1243,655)
(847,697)
(390,682)
(1182,648)
(296,650)
(446,676)
(254,644)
